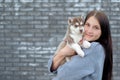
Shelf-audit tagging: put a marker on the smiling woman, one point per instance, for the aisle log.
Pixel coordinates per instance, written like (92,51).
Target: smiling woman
(92,29)
(98,60)
(102,28)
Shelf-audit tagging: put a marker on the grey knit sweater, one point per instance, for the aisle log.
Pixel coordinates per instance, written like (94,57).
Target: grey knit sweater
(89,67)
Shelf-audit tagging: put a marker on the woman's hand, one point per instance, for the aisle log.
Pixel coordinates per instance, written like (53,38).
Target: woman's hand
(67,51)
(61,55)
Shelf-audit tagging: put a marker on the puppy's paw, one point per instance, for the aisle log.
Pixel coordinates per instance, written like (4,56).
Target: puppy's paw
(86,44)
(81,53)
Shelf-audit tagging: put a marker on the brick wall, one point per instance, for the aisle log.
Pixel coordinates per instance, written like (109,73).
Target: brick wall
(30,31)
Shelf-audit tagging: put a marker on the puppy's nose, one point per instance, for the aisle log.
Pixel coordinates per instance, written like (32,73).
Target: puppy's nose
(81,31)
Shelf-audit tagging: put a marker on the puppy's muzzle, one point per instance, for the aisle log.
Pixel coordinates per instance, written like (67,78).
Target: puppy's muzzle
(81,31)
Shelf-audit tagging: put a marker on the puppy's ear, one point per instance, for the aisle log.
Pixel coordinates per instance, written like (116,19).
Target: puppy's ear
(81,19)
(70,21)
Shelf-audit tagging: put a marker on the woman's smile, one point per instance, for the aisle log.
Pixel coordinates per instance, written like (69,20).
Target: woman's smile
(92,29)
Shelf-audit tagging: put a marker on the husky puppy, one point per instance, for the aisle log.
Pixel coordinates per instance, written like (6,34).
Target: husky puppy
(74,37)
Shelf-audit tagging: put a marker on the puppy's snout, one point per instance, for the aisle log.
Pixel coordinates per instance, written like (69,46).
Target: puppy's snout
(81,31)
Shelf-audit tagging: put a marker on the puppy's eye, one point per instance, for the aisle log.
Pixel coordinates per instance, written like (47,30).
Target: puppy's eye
(76,24)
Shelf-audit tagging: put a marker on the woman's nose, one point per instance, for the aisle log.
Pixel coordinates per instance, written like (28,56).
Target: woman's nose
(89,30)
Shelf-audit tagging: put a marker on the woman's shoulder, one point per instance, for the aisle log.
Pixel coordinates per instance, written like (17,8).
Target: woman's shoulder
(95,48)
(95,44)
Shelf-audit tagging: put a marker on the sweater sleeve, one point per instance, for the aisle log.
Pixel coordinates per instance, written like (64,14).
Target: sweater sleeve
(50,61)
(79,68)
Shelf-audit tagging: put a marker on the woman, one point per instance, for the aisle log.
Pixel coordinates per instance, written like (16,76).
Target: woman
(97,64)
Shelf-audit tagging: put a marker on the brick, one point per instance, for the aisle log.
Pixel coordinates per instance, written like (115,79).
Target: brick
(115,0)
(24,1)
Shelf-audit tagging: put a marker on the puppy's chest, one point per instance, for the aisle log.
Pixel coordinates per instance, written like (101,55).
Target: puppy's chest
(76,38)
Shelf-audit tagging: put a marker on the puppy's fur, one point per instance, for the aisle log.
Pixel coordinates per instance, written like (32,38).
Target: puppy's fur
(74,36)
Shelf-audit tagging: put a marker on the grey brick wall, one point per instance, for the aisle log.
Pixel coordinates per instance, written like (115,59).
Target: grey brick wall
(30,31)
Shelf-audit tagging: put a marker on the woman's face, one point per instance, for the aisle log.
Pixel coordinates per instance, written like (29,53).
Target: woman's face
(92,29)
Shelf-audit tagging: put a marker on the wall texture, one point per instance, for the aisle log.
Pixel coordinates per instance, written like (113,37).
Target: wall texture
(30,31)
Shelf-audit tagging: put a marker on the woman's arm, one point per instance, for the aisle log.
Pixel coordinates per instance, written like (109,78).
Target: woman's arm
(60,56)
(57,60)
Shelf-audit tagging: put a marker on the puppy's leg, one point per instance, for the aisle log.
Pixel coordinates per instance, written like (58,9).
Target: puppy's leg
(78,49)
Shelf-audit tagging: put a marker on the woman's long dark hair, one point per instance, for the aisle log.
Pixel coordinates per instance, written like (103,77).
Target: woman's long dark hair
(105,40)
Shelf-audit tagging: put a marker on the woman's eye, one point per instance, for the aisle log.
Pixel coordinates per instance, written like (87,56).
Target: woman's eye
(96,27)
(87,24)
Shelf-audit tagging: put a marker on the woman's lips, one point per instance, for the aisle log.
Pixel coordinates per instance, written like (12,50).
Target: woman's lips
(88,35)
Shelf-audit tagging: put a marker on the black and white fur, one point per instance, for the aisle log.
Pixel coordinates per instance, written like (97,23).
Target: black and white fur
(74,35)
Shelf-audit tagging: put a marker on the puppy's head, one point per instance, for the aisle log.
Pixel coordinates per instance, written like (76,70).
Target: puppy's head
(76,25)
